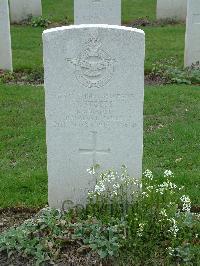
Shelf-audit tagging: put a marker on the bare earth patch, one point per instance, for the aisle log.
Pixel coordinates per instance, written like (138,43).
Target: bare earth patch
(37,79)
(14,216)
(72,255)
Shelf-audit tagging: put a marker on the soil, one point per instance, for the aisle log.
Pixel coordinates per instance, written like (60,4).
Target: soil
(68,258)
(36,79)
(139,22)
(145,22)
(71,255)
(14,217)
(153,80)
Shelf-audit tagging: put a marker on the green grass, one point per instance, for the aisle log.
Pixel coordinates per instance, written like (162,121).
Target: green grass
(61,10)
(161,43)
(27,47)
(172,131)
(134,9)
(164,42)
(23,175)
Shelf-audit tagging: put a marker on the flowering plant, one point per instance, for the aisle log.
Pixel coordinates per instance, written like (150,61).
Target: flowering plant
(138,222)
(152,211)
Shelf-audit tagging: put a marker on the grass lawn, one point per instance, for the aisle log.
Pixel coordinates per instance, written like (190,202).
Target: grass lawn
(23,153)
(164,42)
(171,141)
(161,43)
(27,48)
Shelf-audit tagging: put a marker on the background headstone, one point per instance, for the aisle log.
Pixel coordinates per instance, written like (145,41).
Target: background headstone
(5,40)
(22,9)
(192,37)
(173,9)
(94,83)
(97,12)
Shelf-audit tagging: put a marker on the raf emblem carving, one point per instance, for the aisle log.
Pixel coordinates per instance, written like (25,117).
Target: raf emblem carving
(94,67)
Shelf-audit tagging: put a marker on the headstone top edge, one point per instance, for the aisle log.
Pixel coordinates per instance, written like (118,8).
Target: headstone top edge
(87,26)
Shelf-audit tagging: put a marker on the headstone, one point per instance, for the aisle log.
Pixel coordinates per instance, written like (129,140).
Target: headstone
(5,40)
(192,37)
(172,9)
(97,12)
(23,9)
(94,82)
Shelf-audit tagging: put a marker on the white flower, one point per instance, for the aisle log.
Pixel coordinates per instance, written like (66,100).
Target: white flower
(91,194)
(167,185)
(186,203)
(174,228)
(116,186)
(111,175)
(99,189)
(148,174)
(140,229)
(145,194)
(149,188)
(91,171)
(168,173)
(171,251)
(114,193)
(172,185)
(163,212)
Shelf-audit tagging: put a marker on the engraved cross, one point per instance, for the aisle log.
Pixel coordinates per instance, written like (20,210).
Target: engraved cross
(94,151)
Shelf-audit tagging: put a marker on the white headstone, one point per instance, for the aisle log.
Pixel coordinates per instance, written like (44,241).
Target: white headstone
(94,82)
(192,37)
(173,9)
(5,40)
(22,9)
(97,12)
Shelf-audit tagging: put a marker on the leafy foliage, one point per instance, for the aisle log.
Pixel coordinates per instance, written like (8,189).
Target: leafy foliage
(170,73)
(6,76)
(136,227)
(40,22)
(26,77)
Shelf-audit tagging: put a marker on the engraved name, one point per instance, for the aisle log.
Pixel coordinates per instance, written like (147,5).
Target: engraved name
(89,110)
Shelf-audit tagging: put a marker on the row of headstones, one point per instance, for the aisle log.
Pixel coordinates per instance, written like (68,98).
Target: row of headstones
(101,12)
(16,11)
(181,10)
(21,9)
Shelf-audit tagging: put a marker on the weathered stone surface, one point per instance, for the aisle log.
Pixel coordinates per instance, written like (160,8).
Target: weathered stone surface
(97,12)
(5,40)
(94,83)
(22,9)
(192,37)
(174,9)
